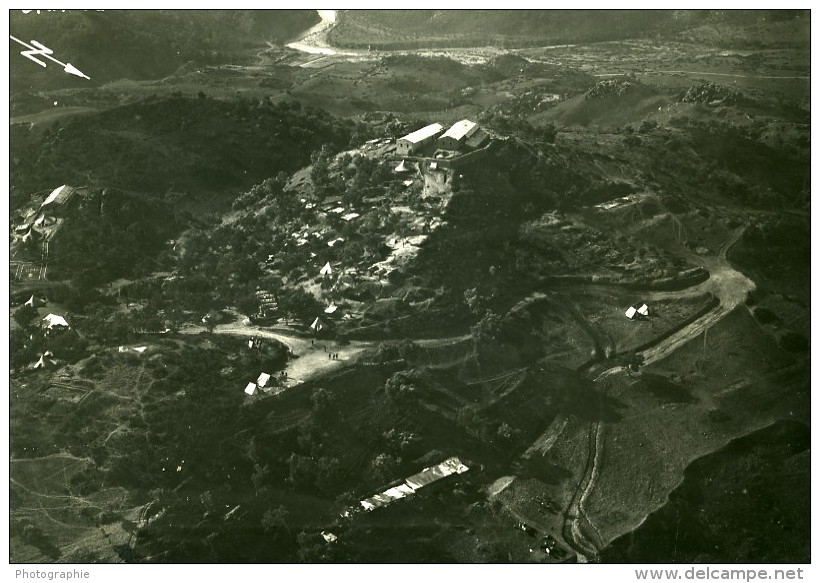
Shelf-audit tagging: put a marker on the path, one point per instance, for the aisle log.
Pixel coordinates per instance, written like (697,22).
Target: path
(311,359)
(731,287)
(727,284)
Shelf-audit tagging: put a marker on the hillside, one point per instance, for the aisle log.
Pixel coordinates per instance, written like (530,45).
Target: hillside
(255,309)
(143,44)
(730,504)
(185,145)
(520,28)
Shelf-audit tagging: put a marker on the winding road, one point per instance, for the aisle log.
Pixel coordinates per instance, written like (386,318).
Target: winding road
(731,288)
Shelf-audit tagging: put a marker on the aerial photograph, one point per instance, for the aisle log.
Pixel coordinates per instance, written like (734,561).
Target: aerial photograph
(418,286)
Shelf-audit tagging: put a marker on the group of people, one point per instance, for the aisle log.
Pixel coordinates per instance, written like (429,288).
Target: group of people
(330,355)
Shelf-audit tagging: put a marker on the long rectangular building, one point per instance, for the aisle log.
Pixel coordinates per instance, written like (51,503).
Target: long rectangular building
(418,139)
(415,482)
(59,196)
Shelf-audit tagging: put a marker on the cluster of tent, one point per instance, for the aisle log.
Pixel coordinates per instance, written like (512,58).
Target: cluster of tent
(639,310)
(260,383)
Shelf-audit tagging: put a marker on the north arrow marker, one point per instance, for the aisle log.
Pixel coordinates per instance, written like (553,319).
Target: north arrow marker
(40,50)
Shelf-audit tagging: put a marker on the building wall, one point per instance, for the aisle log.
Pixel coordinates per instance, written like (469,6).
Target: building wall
(466,158)
(406,147)
(448,143)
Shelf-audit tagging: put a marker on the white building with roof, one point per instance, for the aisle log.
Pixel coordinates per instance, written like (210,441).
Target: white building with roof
(58,198)
(418,139)
(456,135)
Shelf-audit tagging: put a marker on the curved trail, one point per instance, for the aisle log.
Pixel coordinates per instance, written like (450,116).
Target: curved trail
(731,287)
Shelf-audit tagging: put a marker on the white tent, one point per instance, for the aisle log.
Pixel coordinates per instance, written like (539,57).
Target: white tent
(43,362)
(53,320)
(317,325)
(331,308)
(250,389)
(637,310)
(35,302)
(401,167)
(140,349)
(329,536)
(263,379)
(326,270)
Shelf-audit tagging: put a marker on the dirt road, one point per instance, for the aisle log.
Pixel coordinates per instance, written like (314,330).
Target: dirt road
(727,284)
(731,287)
(312,355)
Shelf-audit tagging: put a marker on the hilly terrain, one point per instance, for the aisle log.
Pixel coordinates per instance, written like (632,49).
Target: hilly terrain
(144,44)
(176,145)
(396,29)
(244,321)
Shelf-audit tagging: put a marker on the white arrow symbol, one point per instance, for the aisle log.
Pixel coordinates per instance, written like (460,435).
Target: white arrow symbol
(40,50)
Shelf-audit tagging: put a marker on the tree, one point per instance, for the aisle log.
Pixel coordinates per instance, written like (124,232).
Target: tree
(211,319)
(399,389)
(324,403)
(259,476)
(383,467)
(488,328)
(302,470)
(632,141)
(25,316)
(275,519)
(547,133)
(67,345)
(299,303)
(468,418)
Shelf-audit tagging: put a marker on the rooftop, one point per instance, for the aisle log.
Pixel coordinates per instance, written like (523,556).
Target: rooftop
(424,133)
(462,128)
(59,195)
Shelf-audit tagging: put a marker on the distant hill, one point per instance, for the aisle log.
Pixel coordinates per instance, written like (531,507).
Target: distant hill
(188,145)
(393,29)
(143,44)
